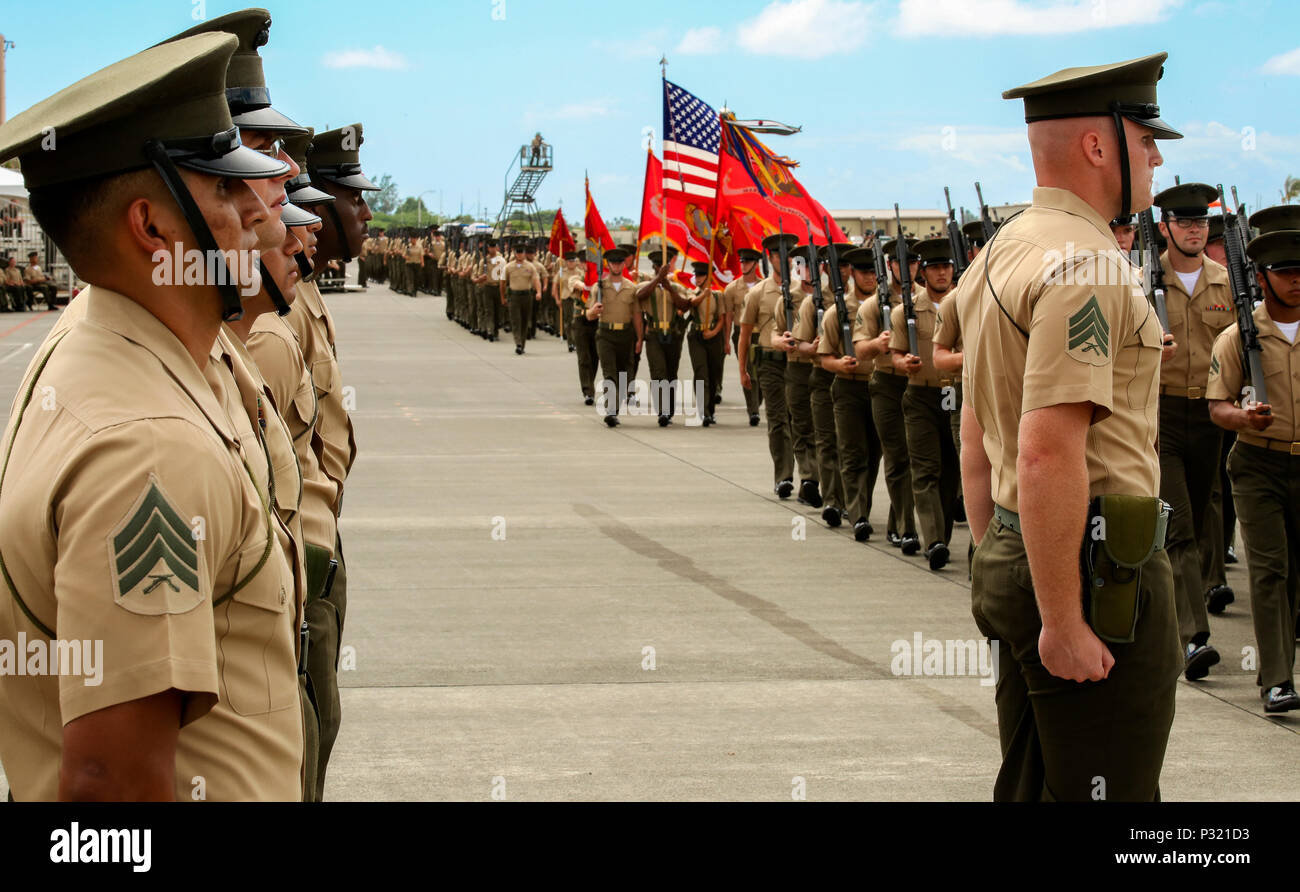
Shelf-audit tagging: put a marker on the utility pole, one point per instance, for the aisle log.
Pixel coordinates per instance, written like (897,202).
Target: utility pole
(5,46)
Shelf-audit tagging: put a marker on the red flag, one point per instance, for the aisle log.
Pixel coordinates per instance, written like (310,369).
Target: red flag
(593,227)
(757,193)
(561,239)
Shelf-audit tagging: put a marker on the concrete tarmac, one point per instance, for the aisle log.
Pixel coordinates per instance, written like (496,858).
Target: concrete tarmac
(541,608)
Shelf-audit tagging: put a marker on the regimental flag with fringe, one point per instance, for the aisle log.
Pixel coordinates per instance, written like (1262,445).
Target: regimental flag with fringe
(561,239)
(593,227)
(758,193)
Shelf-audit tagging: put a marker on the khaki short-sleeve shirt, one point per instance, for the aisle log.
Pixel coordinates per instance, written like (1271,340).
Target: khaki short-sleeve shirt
(1072,341)
(1281,362)
(1195,321)
(520,275)
(618,299)
(313,326)
(134,513)
(765,310)
(927,312)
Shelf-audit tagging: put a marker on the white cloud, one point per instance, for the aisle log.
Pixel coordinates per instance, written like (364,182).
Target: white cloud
(377,57)
(1287,63)
(571,111)
(974,145)
(700,40)
(984,18)
(808,29)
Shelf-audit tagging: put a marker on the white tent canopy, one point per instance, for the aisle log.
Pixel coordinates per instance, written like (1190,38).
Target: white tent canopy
(11,185)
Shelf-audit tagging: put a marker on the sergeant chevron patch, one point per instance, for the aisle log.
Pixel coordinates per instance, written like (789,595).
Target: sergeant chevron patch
(153,557)
(1088,334)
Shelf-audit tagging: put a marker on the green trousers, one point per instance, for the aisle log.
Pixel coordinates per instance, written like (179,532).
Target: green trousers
(1266,488)
(1189,464)
(584,343)
(859,448)
(518,302)
(935,479)
(887,410)
(825,439)
(1066,740)
(664,354)
(771,380)
(803,438)
(1216,533)
(753,395)
(325,620)
(614,349)
(706,366)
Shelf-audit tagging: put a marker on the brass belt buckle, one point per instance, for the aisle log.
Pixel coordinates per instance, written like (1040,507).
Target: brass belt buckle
(1295,448)
(1195,393)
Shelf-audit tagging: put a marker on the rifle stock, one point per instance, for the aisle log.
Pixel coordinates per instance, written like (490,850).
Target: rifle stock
(1241,276)
(905,284)
(785,278)
(882,283)
(1153,273)
(837,289)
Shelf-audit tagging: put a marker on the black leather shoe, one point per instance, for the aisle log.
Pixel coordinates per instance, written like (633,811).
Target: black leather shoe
(1281,698)
(519,351)
(753,420)
(1198,658)
(664,421)
(893,538)
(707,420)
(784,488)
(611,420)
(717,398)
(1219,597)
(572,348)
(808,494)
(910,544)
(1230,555)
(937,554)
(831,516)
(588,400)
(959,510)
(862,530)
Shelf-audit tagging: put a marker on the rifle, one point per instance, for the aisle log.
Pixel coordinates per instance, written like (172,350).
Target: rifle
(957,239)
(600,270)
(837,288)
(905,282)
(1154,273)
(882,283)
(986,221)
(814,277)
(1245,291)
(785,278)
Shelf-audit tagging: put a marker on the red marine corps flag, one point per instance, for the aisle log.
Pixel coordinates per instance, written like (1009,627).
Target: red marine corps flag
(757,192)
(561,239)
(598,237)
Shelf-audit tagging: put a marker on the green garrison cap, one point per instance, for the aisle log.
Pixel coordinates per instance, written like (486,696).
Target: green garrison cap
(860,258)
(974,231)
(301,191)
(934,250)
(772,244)
(1128,88)
(656,257)
(700,267)
(335,156)
(1216,229)
(570,255)
(748,254)
(1186,200)
(891,247)
(840,249)
(614,255)
(1276,250)
(246,92)
(1274,219)
(174,94)
(292,215)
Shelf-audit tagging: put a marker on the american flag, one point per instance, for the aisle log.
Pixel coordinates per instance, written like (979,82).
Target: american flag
(690,138)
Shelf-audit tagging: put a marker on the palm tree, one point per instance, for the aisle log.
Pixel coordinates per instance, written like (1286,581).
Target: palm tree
(1290,190)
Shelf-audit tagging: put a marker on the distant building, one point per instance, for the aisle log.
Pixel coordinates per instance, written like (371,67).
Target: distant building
(917,223)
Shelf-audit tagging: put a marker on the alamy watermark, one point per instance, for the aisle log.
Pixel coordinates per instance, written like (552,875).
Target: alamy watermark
(661,396)
(195,267)
(946,658)
(57,657)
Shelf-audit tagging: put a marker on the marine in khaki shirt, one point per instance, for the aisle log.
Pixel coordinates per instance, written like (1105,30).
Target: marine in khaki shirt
(1264,464)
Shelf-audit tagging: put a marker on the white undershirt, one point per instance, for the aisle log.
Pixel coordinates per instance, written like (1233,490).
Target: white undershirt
(1288,329)
(1189,280)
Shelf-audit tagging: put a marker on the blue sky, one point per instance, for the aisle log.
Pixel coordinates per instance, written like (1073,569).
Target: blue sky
(896,97)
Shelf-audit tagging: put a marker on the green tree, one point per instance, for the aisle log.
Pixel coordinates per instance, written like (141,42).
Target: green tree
(385,200)
(1291,190)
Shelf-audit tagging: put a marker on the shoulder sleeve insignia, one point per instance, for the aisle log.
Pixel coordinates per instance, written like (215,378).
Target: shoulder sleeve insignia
(1088,334)
(1214,365)
(153,557)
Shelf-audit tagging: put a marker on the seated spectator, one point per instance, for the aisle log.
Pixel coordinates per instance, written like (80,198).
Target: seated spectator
(37,281)
(14,295)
